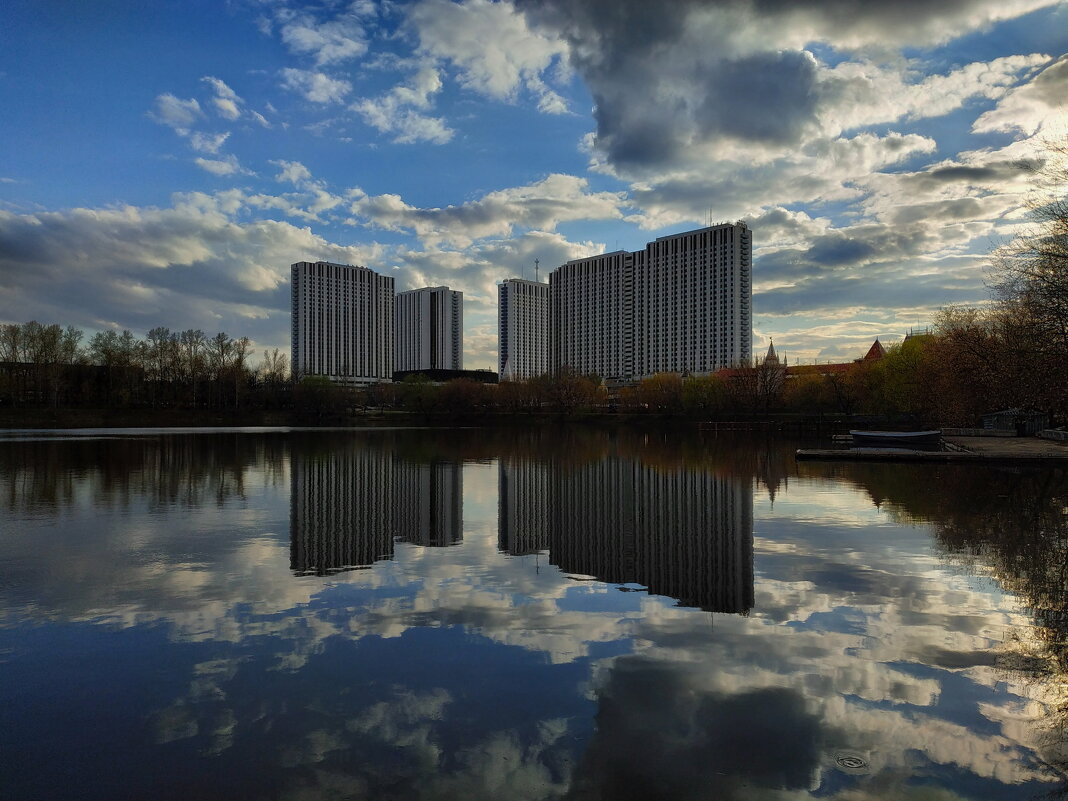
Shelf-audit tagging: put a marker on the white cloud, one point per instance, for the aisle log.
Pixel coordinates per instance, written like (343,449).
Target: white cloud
(541,205)
(396,111)
(226,101)
(1037,105)
(866,94)
(228,165)
(176,113)
(207,143)
(493,47)
(294,172)
(316,87)
(341,39)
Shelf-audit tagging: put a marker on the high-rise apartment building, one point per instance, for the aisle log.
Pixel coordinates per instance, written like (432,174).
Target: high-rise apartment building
(429,329)
(523,329)
(683,305)
(342,324)
(592,315)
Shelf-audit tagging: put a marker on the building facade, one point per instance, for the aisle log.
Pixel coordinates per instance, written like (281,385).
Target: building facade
(592,315)
(429,329)
(682,305)
(523,329)
(342,323)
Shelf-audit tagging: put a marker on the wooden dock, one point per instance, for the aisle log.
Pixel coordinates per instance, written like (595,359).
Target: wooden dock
(988,450)
(886,455)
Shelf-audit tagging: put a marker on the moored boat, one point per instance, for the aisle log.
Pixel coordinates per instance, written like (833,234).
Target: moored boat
(897,439)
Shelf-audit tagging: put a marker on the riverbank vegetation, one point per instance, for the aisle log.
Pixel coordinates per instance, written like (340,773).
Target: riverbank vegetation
(972,362)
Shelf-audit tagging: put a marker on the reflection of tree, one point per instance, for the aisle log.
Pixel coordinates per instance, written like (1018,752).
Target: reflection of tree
(739,456)
(1013,522)
(163,470)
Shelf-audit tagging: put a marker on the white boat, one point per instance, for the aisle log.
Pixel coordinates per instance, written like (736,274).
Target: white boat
(896,439)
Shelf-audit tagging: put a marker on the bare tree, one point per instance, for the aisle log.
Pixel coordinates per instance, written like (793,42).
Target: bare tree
(1030,284)
(192,344)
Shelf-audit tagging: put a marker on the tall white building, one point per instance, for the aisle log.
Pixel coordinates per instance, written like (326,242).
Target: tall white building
(342,324)
(592,315)
(683,305)
(523,329)
(429,329)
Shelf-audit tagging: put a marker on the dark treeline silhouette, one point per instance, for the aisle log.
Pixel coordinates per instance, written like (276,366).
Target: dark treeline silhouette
(968,365)
(50,366)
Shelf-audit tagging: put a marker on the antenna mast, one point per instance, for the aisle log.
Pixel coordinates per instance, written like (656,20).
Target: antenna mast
(536,263)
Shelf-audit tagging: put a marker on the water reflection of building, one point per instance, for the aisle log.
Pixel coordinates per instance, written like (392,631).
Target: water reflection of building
(349,505)
(522,506)
(430,502)
(687,534)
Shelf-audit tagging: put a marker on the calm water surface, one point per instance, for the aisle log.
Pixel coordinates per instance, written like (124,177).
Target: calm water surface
(564,613)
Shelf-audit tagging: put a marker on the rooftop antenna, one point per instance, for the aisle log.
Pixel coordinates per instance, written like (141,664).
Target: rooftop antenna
(536,263)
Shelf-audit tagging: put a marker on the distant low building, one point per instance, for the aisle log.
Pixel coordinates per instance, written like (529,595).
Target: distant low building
(874,354)
(1024,422)
(771,360)
(441,376)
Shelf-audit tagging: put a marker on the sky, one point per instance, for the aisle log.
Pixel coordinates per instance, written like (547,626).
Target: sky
(162,164)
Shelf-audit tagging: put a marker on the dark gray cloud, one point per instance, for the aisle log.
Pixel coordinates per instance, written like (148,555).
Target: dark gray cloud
(964,176)
(660,735)
(647,112)
(702,71)
(656,94)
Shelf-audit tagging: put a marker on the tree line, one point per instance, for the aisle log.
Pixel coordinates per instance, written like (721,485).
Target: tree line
(975,360)
(54,366)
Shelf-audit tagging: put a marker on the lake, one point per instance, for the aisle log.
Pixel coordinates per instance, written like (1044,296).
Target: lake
(560,611)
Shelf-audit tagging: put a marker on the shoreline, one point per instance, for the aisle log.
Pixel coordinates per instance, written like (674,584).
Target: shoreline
(984,450)
(19,419)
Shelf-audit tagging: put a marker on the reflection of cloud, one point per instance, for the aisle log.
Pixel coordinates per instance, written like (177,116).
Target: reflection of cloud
(661,735)
(860,639)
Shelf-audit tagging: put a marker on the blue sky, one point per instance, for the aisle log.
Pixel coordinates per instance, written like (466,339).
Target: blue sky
(163,164)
